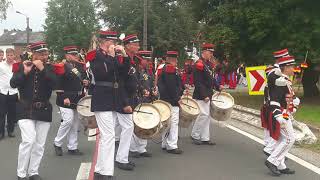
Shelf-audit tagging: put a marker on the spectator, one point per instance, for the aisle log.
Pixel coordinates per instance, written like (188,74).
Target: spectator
(1,55)
(8,95)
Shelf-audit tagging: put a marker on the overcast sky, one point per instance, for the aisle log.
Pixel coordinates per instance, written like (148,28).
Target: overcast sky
(35,9)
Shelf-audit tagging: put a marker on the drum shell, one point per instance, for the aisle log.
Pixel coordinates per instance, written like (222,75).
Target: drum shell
(144,133)
(185,118)
(164,123)
(86,121)
(221,114)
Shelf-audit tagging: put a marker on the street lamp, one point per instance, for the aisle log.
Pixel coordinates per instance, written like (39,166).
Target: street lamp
(28,29)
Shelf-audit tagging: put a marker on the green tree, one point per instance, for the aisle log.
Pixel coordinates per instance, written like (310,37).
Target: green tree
(4,5)
(171,26)
(69,23)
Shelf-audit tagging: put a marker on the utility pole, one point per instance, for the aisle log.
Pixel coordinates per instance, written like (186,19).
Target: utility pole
(145,24)
(28,28)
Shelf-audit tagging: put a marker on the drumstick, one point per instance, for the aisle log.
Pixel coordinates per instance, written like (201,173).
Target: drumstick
(142,112)
(188,105)
(217,100)
(80,105)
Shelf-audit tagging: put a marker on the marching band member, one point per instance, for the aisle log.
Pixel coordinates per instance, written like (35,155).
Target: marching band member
(281,109)
(71,91)
(128,93)
(35,81)
(170,89)
(105,100)
(138,145)
(273,75)
(204,82)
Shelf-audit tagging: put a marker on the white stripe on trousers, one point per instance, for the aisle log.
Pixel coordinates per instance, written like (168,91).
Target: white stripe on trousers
(283,146)
(201,127)
(68,128)
(34,135)
(105,159)
(170,141)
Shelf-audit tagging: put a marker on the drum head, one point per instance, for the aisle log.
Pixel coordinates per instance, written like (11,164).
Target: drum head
(148,117)
(84,106)
(190,106)
(164,109)
(224,100)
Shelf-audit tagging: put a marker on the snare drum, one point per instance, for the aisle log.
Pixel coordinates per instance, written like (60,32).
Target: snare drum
(146,118)
(86,117)
(221,106)
(189,111)
(165,112)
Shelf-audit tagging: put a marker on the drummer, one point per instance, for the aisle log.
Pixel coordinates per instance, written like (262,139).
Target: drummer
(146,79)
(170,89)
(128,95)
(70,91)
(204,82)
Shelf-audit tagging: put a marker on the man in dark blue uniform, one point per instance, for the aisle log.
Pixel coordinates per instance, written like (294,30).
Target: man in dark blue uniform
(35,81)
(105,100)
(204,83)
(148,94)
(70,91)
(170,89)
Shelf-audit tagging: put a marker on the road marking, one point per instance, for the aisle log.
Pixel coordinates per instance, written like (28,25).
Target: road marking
(84,171)
(290,156)
(92,132)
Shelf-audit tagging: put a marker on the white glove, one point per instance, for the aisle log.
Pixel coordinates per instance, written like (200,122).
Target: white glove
(281,120)
(296,101)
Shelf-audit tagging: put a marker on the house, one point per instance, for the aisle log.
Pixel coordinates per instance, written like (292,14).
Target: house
(17,39)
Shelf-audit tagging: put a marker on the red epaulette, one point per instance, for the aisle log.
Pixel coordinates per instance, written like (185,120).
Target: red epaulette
(15,67)
(91,55)
(170,69)
(58,68)
(199,65)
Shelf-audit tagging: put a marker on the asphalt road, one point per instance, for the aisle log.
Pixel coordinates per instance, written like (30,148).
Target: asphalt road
(235,157)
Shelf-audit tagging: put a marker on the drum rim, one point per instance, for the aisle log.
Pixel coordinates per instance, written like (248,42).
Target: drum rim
(165,103)
(149,104)
(198,107)
(223,94)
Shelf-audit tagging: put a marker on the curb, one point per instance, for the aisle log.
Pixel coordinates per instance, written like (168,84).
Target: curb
(254,112)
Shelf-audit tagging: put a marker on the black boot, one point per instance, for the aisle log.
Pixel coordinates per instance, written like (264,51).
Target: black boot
(175,151)
(35,177)
(287,171)
(274,170)
(58,150)
(125,166)
(20,178)
(75,152)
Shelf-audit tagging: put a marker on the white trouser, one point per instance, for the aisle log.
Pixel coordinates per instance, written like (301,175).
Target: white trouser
(283,146)
(34,135)
(201,127)
(126,125)
(68,128)
(269,142)
(138,145)
(105,159)
(266,137)
(170,135)
(117,129)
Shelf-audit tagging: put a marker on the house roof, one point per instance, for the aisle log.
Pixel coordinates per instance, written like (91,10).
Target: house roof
(20,37)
